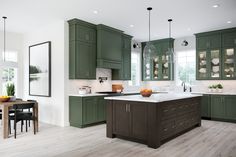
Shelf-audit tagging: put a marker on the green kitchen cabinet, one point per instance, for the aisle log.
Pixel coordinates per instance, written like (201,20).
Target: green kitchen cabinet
(206,106)
(208,60)
(82,50)
(230,102)
(109,47)
(218,107)
(229,38)
(159,68)
(84,111)
(229,63)
(125,72)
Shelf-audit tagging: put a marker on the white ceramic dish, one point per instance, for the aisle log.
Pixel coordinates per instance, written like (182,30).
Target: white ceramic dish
(230,52)
(166,65)
(215,61)
(229,61)
(202,70)
(215,69)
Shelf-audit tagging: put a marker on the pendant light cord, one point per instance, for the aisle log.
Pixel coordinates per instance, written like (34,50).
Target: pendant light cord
(169,20)
(4,38)
(149,22)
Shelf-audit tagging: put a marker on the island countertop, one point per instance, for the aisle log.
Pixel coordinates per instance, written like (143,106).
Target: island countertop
(155,98)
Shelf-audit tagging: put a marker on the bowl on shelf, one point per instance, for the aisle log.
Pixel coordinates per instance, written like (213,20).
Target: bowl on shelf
(4,98)
(215,61)
(146,92)
(230,52)
(202,70)
(229,61)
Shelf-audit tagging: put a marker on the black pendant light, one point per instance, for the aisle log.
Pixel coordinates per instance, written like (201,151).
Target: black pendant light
(149,51)
(170,53)
(4,37)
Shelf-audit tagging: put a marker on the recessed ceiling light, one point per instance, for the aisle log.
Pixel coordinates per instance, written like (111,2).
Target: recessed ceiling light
(229,21)
(95,12)
(216,6)
(131,26)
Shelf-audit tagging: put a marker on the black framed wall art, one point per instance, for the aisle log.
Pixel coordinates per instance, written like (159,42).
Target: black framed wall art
(40,69)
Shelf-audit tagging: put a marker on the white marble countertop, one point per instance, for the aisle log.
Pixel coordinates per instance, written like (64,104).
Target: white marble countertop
(215,93)
(155,98)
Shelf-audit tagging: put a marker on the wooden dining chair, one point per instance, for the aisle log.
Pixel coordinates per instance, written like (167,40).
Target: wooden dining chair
(25,115)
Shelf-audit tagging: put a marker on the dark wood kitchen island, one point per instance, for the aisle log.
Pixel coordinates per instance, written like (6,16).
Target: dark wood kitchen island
(152,120)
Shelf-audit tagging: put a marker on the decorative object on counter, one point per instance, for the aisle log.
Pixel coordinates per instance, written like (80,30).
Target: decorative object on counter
(40,69)
(117,88)
(10,87)
(4,98)
(101,79)
(150,51)
(84,90)
(216,88)
(146,92)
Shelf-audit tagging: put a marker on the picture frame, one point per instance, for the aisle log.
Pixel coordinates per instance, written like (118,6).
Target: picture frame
(40,69)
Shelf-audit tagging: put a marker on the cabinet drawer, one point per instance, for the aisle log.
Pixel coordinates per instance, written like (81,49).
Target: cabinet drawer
(168,110)
(167,129)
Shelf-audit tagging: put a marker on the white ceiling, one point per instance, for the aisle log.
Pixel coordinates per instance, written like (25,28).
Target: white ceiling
(197,15)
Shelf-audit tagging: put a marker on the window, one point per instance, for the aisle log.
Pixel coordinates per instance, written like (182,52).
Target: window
(8,70)
(135,68)
(185,67)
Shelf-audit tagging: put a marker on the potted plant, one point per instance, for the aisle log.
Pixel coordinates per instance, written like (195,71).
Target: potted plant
(210,88)
(11,91)
(219,88)
(214,88)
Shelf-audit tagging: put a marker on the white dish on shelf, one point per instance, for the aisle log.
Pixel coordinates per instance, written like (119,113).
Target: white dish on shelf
(201,55)
(215,61)
(215,69)
(156,59)
(216,75)
(166,65)
(147,65)
(230,52)
(202,70)
(203,62)
(229,61)
(231,69)
(156,66)
(227,70)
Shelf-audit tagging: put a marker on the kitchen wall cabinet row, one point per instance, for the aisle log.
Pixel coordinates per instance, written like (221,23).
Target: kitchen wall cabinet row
(216,58)
(158,68)
(219,107)
(98,46)
(85,111)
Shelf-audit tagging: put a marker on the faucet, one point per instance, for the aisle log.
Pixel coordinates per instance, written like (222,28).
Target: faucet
(184,86)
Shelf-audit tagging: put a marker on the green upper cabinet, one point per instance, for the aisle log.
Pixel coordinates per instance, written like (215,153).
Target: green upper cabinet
(216,56)
(208,56)
(109,47)
(82,50)
(125,72)
(159,68)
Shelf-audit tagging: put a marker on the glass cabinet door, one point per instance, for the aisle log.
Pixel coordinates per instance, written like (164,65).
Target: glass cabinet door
(202,65)
(215,66)
(229,63)
(164,67)
(156,68)
(146,70)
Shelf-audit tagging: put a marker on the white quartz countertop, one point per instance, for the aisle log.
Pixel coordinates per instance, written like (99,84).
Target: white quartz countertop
(155,98)
(215,93)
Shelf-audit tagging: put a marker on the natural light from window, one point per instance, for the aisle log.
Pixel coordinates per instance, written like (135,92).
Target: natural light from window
(135,69)
(185,67)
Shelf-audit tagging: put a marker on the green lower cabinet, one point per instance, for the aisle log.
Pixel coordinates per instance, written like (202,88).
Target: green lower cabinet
(230,103)
(84,111)
(218,107)
(206,106)
(223,107)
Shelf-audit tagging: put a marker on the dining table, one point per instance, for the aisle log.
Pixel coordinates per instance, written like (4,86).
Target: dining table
(6,106)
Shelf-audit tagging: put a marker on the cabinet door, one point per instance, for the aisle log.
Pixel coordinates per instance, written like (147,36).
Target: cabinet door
(121,118)
(85,34)
(206,106)
(218,107)
(89,110)
(229,39)
(85,61)
(214,64)
(215,41)
(138,120)
(203,43)
(101,109)
(127,64)
(202,65)
(230,102)
(229,63)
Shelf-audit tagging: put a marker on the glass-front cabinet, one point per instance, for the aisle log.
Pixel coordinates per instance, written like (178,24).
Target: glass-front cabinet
(215,66)
(229,63)
(202,64)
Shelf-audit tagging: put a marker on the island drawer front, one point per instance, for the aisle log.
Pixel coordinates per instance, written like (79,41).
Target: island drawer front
(168,110)
(167,129)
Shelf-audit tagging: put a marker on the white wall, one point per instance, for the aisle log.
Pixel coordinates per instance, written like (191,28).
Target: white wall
(14,42)
(51,109)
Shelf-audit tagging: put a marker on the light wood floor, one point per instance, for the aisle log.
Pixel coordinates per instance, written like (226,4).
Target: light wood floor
(213,139)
